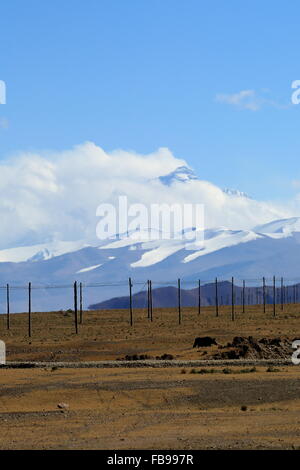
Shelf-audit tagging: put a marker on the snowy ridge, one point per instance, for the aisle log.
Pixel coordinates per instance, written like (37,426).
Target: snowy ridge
(154,246)
(244,254)
(283,227)
(40,252)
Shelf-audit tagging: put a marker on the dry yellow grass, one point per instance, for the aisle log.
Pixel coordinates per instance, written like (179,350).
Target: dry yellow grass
(107,334)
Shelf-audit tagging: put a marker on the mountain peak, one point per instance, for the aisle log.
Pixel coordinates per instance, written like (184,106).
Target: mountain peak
(235,193)
(181,174)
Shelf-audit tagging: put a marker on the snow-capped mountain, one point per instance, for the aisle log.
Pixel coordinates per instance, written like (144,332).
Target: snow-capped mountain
(185,174)
(224,253)
(266,250)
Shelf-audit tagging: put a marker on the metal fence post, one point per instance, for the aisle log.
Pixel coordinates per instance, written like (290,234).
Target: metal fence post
(75,308)
(7,307)
(199,297)
(179,303)
(217,299)
(232,300)
(29,309)
(80,303)
(151,301)
(130,302)
(264,294)
(274,296)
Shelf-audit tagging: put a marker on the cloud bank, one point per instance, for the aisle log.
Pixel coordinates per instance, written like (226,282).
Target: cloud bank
(46,197)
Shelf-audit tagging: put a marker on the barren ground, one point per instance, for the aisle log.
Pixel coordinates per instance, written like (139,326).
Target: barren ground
(107,335)
(146,408)
(149,409)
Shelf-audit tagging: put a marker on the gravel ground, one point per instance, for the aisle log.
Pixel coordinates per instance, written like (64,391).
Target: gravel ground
(149,363)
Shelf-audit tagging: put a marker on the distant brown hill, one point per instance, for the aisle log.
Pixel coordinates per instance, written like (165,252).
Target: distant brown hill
(167,297)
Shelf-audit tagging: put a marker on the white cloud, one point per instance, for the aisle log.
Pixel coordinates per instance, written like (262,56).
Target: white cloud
(246,99)
(249,99)
(55,196)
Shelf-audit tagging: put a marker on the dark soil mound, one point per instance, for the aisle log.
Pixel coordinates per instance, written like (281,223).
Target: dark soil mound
(251,348)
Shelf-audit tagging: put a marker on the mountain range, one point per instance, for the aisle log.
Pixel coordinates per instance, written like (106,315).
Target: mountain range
(266,250)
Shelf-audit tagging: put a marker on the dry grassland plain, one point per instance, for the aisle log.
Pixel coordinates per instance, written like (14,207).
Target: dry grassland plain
(147,408)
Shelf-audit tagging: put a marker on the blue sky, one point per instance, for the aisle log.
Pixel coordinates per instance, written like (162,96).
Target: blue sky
(140,75)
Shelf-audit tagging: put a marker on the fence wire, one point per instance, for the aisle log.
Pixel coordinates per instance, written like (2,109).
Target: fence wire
(164,293)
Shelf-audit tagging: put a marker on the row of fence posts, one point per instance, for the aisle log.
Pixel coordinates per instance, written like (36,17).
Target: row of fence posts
(243,296)
(150,301)
(30,307)
(232,298)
